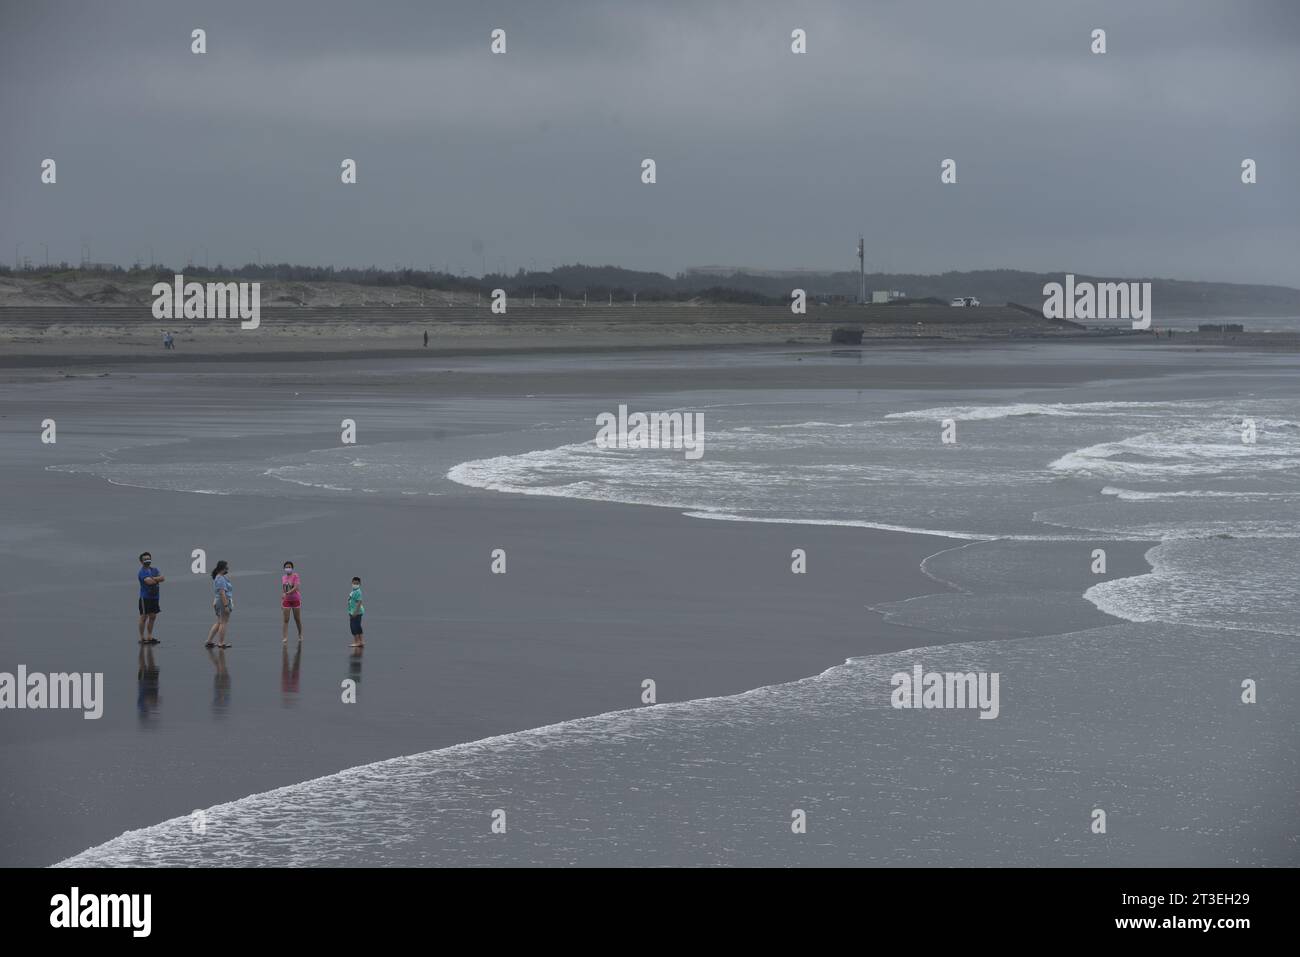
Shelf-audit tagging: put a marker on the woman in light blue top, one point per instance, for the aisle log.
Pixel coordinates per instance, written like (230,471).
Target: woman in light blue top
(223,603)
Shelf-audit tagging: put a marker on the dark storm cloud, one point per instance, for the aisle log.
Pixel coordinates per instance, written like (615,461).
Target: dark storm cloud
(1124,164)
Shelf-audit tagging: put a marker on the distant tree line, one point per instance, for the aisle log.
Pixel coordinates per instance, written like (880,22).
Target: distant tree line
(602,283)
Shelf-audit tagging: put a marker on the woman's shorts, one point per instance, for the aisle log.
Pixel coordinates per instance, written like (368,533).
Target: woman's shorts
(149,606)
(354,624)
(284,603)
(220,609)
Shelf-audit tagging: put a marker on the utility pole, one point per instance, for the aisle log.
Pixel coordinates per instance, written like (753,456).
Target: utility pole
(862,272)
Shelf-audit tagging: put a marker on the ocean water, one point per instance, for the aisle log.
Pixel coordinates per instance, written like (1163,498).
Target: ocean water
(1143,719)
(1147,729)
(1223,512)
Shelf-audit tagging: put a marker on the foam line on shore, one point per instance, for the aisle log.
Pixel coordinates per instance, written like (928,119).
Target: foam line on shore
(133,848)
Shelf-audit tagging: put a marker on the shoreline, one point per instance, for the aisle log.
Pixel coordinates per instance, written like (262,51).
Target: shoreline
(880,618)
(15,369)
(741,657)
(708,609)
(343,351)
(76,337)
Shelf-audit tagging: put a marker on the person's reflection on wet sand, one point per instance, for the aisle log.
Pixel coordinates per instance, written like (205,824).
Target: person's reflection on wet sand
(220,682)
(147,675)
(354,670)
(289,677)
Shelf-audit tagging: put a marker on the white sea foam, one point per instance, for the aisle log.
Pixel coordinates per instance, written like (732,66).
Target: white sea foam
(1135,495)
(1057,409)
(711,781)
(843,523)
(909,529)
(821,425)
(1187,449)
(1238,584)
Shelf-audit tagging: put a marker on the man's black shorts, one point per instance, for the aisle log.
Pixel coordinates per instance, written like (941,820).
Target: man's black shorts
(149,606)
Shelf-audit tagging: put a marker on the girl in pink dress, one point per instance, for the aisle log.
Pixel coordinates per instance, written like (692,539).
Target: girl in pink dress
(291,599)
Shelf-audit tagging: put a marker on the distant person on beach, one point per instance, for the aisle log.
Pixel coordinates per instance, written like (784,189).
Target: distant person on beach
(426,338)
(150,578)
(223,603)
(290,600)
(356,611)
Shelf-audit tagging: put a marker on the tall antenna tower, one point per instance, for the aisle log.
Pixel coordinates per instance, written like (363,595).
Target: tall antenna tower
(862,272)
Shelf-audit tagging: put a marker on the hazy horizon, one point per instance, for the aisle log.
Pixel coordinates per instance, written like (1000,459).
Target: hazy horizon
(702,273)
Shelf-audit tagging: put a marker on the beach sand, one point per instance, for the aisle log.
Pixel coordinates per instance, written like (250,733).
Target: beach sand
(75,334)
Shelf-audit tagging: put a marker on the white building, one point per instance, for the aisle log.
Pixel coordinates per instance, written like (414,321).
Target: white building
(887,295)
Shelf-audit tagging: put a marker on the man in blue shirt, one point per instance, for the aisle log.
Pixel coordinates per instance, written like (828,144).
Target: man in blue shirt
(150,579)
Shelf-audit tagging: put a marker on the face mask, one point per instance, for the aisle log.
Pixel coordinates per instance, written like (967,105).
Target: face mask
(288,571)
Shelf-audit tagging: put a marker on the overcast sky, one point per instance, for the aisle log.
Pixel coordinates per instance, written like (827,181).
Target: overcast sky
(1125,164)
